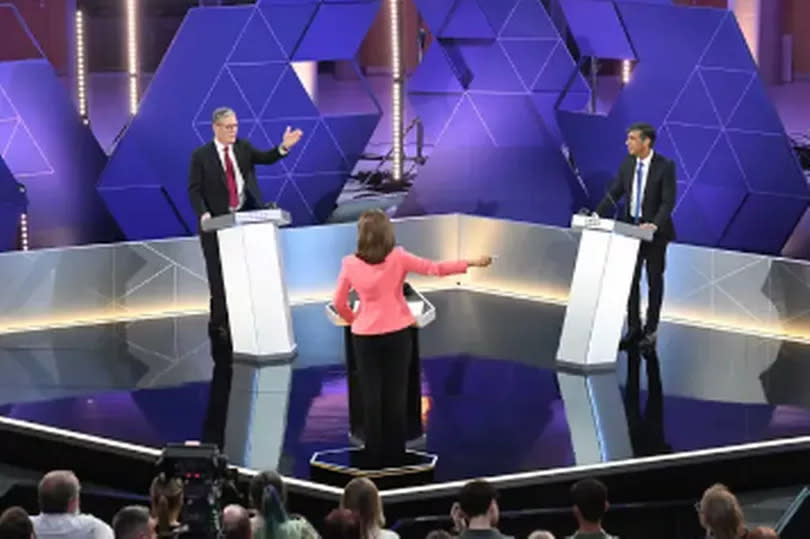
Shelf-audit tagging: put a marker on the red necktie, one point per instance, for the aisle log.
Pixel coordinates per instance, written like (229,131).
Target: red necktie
(230,176)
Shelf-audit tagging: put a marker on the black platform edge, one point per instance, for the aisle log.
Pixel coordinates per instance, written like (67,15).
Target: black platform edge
(746,467)
(324,470)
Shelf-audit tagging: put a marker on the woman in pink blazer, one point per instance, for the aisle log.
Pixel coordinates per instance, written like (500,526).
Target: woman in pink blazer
(377,271)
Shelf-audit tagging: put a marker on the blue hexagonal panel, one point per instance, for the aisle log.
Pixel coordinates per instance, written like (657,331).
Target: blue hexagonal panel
(486,92)
(47,150)
(250,68)
(739,184)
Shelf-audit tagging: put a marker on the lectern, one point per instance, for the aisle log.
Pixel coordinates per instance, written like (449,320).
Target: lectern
(255,290)
(424,312)
(597,300)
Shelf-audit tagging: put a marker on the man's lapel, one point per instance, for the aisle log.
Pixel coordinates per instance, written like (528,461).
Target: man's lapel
(216,162)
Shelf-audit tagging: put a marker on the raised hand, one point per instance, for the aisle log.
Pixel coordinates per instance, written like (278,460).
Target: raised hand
(481,261)
(291,137)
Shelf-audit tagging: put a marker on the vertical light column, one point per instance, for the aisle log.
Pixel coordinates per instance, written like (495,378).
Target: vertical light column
(24,231)
(627,66)
(81,68)
(132,54)
(395,7)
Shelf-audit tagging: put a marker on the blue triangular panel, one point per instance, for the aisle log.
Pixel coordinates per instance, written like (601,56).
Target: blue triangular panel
(321,192)
(465,128)
(467,21)
(224,93)
(288,22)
(256,81)
(558,69)
(24,157)
(6,110)
(530,19)
(491,68)
(6,130)
(352,133)
(435,74)
(693,105)
(693,144)
(756,112)
(261,141)
(291,200)
(289,99)
(320,154)
(497,11)
(729,50)
(726,89)
(435,12)
(529,56)
(257,44)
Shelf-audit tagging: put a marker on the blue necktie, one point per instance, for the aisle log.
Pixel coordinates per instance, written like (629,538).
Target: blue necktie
(639,176)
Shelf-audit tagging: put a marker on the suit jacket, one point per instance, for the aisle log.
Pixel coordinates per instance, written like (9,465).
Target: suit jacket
(659,195)
(208,187)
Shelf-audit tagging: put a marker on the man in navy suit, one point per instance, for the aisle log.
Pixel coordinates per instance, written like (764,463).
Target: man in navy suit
(647,179)
(222,179)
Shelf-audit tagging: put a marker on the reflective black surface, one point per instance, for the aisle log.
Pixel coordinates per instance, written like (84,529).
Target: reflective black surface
(492,402)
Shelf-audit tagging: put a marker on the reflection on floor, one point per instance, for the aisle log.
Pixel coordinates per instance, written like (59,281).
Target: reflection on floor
(492,402)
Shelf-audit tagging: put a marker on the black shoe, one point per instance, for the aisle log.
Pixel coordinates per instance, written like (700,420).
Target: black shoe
(648,341)
(630,338)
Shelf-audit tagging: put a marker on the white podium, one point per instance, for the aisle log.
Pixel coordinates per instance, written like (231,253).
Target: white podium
(255,289)
(597,301)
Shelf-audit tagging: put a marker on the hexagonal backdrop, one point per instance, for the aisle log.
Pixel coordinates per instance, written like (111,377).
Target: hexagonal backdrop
(739,184)
(249,67)
(44,144)
(486,92)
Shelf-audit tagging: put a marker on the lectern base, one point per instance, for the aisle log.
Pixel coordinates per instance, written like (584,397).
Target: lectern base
(575,367)
(269,359)
(337,467)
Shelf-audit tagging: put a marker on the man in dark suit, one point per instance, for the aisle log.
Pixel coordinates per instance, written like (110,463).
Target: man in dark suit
(648,180)
(222,179)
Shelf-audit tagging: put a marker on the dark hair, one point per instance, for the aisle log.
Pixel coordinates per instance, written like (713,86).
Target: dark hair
(15,524)
(260,482)
(362,497)
(343,524)
(130,521)
(439,534)
(375,236)
(646,130)
(167,498)
(590,497)
(476,497)
(56,490)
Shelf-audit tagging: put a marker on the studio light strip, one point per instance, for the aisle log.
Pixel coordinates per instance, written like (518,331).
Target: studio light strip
(132,54)
(81,67)
(396,71)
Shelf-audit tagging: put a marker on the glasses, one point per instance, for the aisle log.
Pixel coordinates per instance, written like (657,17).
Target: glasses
(229,127)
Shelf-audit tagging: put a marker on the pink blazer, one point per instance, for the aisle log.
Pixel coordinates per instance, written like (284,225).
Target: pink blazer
(383,308)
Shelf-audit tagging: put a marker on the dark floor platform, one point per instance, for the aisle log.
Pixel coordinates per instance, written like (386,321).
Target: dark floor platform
(492,402)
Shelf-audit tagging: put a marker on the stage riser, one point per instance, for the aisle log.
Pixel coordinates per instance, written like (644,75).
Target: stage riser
(56,287)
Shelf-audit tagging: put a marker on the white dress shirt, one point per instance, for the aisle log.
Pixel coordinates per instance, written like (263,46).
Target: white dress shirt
(644,175)
(240,180)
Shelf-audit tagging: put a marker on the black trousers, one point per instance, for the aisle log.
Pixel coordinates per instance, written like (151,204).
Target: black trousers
(218,313)
(382,364)
(652,255)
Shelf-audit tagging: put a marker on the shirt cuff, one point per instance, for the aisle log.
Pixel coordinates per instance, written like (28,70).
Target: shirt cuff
(282,150)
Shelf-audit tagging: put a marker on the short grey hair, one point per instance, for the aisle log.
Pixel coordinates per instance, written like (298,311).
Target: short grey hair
(56,490)
(221,113)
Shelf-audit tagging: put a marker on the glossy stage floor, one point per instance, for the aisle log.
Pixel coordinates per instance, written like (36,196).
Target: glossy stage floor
(492,400)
